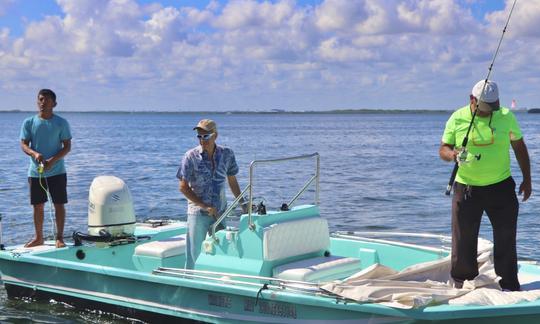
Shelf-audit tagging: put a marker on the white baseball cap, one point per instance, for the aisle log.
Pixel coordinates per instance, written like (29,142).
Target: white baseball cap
(488,100)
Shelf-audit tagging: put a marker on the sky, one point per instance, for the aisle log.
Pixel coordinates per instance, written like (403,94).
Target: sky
(188,55)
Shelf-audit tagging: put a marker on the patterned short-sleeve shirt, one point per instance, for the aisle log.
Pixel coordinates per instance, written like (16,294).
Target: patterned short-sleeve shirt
(206,181)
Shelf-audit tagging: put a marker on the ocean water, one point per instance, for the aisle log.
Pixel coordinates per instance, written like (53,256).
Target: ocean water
(378,172)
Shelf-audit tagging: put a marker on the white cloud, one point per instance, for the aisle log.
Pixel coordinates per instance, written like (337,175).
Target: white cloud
(443,17)
(524,22)
(334,15)
(331,49)
(244,49)
(250,14)
(4,38)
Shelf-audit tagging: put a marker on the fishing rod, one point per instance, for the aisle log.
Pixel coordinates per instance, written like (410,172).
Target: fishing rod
(466,138)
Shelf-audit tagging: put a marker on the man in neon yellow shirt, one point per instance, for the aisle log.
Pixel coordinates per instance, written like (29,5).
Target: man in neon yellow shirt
(484,183)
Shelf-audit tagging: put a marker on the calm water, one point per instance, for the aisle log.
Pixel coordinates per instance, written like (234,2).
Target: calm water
(378,172)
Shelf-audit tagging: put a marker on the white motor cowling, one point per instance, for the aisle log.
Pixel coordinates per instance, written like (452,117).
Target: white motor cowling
(110,207)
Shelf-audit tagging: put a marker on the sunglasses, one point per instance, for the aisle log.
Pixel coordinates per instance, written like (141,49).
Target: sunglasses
(204,137)
(481,140)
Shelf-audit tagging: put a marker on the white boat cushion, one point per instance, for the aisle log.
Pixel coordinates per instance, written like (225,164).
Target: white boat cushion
(288,239)
(318,269)
(164,248)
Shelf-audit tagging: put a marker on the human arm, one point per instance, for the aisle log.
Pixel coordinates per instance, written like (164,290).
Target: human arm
(522,157)
(191,196)
(25,146)
(447,152)
(66,148)
(235,188)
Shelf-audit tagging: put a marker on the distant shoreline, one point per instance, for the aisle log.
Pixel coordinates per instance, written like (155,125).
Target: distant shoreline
(245,112)
(269,112)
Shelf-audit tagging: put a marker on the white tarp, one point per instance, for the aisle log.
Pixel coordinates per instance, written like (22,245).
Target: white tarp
(486,296)
(427,283)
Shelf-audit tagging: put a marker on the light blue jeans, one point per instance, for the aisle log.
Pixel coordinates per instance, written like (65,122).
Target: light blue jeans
(198,226)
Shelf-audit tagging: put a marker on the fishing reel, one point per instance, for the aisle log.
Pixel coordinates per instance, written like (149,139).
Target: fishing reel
(463,157)
(259,208)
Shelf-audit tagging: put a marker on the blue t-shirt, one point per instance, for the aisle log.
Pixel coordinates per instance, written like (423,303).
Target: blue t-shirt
(207,183)
(45,137)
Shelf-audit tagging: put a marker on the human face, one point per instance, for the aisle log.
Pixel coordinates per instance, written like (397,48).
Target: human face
(45,105)
(208,143)
(480,112)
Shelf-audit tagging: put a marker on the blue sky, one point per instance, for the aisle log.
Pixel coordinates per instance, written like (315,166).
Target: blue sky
(259,55)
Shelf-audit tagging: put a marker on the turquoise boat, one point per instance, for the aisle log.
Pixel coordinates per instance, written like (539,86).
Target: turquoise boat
(275,266)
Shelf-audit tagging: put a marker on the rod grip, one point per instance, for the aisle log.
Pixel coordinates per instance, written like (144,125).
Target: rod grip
(452,178)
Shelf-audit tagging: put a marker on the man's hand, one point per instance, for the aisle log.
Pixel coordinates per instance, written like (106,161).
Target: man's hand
(212,211)
(38,157)
(522,156)
(525,188)
(48,163)
(460,155)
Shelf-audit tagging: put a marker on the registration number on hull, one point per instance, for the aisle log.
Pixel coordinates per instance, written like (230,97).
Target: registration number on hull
(284,310)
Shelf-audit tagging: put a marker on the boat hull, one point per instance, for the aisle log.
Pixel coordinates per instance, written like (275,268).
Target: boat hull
(153,302)
(172,299)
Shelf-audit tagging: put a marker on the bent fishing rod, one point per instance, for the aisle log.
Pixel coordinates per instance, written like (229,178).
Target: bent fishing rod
(466,138)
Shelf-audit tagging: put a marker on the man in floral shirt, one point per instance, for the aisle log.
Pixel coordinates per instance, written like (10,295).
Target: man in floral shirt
(202,174)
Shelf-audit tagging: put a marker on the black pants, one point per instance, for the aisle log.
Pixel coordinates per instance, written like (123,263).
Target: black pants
(500,203)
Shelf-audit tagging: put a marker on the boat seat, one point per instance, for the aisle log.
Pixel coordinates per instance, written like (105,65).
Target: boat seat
(318,269)
(163,248)
(295,238)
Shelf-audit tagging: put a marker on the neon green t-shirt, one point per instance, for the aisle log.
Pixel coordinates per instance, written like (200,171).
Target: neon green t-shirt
(489,141)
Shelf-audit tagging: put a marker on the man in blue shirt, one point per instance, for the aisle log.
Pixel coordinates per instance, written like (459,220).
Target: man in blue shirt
(46,138)
(202,174)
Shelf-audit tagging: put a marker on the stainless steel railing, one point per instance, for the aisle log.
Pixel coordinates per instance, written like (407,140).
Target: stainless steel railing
(249,188)
(228,211)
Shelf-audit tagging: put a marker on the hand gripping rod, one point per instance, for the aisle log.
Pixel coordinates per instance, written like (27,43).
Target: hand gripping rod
(466,138)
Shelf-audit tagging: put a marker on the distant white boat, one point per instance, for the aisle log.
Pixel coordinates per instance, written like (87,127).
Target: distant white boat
(513,105)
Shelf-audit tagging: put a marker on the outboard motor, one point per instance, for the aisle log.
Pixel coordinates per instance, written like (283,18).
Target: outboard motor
(110,207)
(110,211)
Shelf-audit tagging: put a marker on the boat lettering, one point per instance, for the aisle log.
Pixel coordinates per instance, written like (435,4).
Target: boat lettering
(219,300)
(249,305)
(271,308)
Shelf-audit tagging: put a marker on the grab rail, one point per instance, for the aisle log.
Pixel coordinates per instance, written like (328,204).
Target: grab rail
(228,211)
(299,157)
(483,244)
(250,188)
(274,284)
(306,185)
(364,236)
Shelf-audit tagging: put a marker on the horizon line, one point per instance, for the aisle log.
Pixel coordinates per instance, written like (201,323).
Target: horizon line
(270,111)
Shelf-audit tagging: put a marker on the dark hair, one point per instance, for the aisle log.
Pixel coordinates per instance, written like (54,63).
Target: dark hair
(47,93)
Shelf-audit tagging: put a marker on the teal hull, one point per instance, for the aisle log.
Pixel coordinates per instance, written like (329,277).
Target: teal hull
(108,276)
